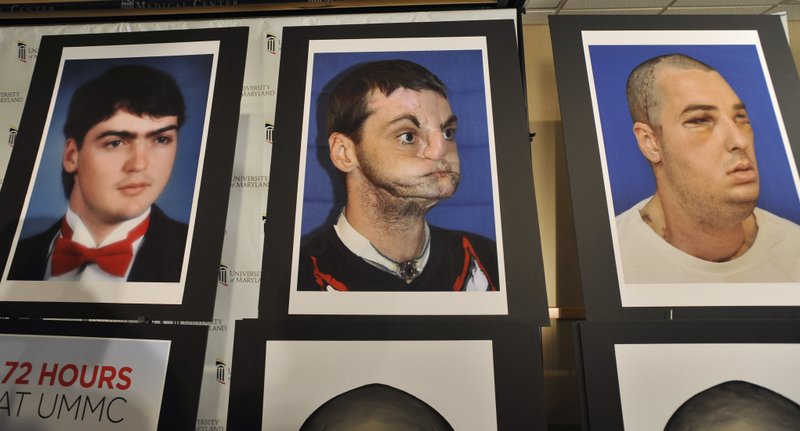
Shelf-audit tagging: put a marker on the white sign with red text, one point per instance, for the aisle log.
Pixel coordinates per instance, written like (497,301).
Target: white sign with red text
(81,383)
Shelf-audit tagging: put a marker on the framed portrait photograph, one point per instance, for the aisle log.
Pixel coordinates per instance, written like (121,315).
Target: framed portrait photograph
(116,191)
(676,375)
(401,156)
(685,190)
(483,374)
(69,375)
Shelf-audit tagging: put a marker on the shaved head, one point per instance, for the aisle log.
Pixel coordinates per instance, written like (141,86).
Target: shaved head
(375,407)
(644,95)
(736,406)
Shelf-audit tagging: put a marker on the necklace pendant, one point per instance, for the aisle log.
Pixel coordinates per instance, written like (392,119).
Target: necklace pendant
(407,270)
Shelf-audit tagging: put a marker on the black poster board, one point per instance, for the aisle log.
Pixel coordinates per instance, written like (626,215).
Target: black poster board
(500,174)
(290,368)
(608,174)
(635,375)
(208,66)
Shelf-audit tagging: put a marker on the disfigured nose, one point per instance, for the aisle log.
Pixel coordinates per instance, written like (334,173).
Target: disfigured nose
(436,147)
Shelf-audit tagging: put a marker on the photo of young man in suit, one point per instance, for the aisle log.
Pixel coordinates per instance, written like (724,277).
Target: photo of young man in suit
(121,138)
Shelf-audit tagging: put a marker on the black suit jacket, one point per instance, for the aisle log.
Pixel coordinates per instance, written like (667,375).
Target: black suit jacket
(159,259)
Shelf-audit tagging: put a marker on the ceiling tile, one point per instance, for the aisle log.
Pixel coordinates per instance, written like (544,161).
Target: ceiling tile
(630,11)
(736,3)
(538,10)
(536,16)
(541,4)
(792,11)
(614,4)
(743,10)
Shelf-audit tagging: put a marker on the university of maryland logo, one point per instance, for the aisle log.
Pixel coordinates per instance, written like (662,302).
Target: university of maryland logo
(222,371)
(269,129)
(222,277)
(22,52)
(272,43)
(25,53)
(12,136)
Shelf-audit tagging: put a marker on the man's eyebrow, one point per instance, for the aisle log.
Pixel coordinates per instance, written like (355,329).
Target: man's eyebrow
(702,107)
(161,130)
(117,133)
(698,107)
(413,118)
(410,117)
(128,135)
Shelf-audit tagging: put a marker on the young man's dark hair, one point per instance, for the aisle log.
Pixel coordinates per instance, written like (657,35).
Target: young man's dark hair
(347,109)
(137,89)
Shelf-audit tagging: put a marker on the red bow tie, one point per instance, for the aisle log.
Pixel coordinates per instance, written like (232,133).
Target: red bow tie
(113,258)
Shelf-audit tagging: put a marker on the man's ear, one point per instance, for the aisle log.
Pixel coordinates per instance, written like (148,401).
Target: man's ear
(70,161)
(342,152)
(648,142)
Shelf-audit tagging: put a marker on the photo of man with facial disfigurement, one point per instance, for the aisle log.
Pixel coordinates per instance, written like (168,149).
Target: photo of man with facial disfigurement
(702,224)
(392,135)
(121,140)
(736,406)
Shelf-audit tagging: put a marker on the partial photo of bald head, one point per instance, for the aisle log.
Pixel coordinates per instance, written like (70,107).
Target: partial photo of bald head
(736,405)
(702,223)
(375,407)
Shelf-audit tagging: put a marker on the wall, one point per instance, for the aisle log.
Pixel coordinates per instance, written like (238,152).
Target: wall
(555,223)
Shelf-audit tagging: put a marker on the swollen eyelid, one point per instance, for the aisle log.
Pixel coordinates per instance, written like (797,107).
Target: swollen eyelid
(406,138)
(700,120)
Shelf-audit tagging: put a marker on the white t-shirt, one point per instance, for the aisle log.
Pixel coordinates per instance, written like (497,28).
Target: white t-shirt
(648,258)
